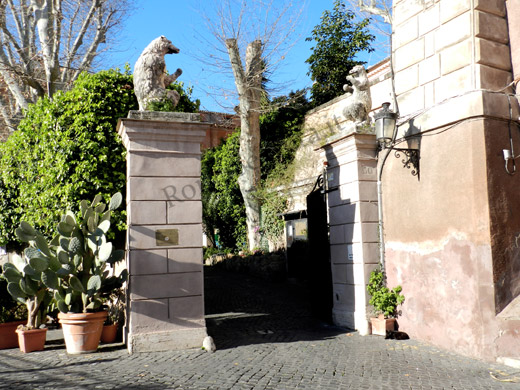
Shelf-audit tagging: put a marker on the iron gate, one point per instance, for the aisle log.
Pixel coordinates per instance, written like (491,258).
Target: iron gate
(319,273)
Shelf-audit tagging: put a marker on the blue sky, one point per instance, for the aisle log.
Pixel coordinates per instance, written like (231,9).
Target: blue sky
(181,22)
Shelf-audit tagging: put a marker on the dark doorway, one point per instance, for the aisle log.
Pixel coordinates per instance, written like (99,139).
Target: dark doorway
(319,274)
(297,244)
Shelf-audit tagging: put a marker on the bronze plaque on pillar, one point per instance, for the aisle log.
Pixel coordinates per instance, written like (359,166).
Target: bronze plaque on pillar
(166,237)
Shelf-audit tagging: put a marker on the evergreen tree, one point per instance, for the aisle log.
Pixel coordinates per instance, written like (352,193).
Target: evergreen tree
(337,40)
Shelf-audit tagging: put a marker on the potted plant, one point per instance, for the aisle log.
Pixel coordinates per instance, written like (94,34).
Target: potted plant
(84,277)
(116,308)
(384,301)
(28,281)
(12,314)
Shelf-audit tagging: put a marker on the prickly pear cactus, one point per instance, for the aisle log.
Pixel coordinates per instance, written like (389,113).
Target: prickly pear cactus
(84,255)
(30,276)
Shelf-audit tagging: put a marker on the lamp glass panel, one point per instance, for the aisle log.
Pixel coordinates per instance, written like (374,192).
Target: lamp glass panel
(388,127)
(380,134)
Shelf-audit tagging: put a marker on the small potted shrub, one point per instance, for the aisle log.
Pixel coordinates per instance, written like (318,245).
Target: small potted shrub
(12,314)
(384,301)
(84,277)
(116,311)
(29,278)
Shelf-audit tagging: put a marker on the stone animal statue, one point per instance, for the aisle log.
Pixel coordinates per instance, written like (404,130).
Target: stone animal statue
(150,75)
(208,344)
(359,103)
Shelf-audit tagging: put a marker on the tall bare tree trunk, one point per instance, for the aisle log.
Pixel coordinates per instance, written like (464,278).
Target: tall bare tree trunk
(249,83)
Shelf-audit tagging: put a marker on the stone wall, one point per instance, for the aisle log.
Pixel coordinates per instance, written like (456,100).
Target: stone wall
(219,126)
(4,133)
(513,19)
(446,48)
(325,123)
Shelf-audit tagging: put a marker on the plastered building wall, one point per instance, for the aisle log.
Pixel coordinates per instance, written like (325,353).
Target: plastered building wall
(451,235)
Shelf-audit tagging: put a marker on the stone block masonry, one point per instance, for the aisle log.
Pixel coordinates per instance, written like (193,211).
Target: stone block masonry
(164,239)
(353,222)
(445,48)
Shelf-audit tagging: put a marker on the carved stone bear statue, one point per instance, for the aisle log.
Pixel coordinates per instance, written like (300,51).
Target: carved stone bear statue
(150,75)
(358,105)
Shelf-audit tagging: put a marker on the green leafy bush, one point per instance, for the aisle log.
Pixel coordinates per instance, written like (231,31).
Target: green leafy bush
(281,132)
(185,104)
(64,150)
(384,300)
(67,149)
(222,202)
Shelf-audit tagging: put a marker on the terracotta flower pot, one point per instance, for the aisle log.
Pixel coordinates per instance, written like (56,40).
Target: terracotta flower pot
(381,324)
(31,340)
(109,333)
(82,331)
(8,336)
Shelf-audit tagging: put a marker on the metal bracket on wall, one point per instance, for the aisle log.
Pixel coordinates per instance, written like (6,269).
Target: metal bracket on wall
(411,158)
(319,184)
(322,184)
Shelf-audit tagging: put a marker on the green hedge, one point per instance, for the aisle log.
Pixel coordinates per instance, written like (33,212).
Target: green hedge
(65,149)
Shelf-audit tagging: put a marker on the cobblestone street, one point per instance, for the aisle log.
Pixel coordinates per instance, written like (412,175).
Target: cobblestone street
(266,339)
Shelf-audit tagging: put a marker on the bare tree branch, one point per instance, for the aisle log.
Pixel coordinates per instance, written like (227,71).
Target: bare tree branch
(379,8)
(272,22)
(102,27)
(70,35)
(380,14)
(6,71)
(255,34)
(79,37)
(46,44)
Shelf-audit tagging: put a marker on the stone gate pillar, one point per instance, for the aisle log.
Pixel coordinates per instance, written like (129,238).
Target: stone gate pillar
(164,239)
(353,221)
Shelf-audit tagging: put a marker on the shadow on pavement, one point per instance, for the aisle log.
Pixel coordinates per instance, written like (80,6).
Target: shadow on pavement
(55,342)
(243,310)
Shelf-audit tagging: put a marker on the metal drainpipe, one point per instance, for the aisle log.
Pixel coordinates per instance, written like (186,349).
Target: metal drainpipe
(380,211)
(380,170)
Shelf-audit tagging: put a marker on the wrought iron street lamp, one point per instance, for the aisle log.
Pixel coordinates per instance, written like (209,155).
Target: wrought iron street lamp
(386,130)
(385,126)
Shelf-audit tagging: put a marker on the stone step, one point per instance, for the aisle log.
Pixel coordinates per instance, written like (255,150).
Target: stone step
(511,362)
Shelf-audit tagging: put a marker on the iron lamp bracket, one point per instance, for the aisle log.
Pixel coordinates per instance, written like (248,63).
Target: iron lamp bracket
(410,158)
